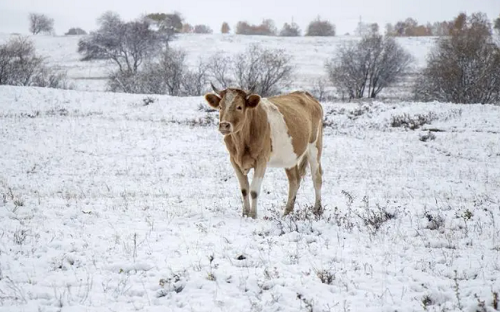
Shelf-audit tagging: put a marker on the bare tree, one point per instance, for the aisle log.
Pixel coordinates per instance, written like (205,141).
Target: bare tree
(265,70)
(320,28)
(319,89)
(161,77)
(369,65)
(202,29)
(169,74)
(126,44)
(195,81)
(172,68)
(40,23)
(221,69)
(290,30)
(463,68)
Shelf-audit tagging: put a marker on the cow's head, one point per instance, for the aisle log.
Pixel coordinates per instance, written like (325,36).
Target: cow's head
(233,105)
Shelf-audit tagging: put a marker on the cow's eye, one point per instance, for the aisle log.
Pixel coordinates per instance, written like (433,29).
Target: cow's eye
(239,108)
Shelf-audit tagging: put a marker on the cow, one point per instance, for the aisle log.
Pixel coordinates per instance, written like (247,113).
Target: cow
(284,131)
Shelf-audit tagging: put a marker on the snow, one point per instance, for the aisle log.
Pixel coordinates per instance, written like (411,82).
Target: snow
(110,205)
(113,205)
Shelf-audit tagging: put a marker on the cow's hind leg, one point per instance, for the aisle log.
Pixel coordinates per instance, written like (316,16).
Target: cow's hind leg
(316,172)
(293,186)
(244,186)
(294,175)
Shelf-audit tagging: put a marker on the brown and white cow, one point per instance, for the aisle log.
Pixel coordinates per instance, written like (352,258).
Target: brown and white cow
(284,131)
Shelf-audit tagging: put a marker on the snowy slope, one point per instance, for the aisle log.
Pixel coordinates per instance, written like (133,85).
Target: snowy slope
(110,205)
(309,54)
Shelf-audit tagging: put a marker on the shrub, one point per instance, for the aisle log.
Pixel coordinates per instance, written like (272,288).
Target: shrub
(75,32)
(373,219)
(21,66)
(267,28)
(320,28)
(263,70)
(429,136)
(290,30)
(225,29)
(202,29)
(319,89)
(187,28)
(412,122)
(411,28)
(364,29)
(463,68)
(370,65)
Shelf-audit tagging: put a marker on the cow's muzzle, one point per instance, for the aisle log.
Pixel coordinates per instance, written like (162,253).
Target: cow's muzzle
(225,127)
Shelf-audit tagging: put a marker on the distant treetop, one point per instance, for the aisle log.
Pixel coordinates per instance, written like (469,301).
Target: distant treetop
(320,28)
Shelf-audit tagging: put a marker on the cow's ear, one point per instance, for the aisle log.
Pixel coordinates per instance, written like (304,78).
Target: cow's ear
(253,100)
(212,100)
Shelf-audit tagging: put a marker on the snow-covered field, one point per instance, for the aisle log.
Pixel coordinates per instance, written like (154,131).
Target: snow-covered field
(309,54)
(110,205)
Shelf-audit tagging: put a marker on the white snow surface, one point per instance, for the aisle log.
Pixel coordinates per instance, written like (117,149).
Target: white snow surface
(110,205)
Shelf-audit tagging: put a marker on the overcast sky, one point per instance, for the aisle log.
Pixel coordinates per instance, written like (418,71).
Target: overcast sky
(343,13)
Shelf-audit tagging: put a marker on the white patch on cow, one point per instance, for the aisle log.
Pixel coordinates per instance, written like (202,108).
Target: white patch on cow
(229,98)
(282,154)
(312,151)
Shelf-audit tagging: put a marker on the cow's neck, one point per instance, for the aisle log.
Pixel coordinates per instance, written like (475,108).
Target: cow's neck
(252,140)
(255,125)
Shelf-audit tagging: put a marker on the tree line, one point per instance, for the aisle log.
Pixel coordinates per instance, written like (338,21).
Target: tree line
(41,23)
(461,68)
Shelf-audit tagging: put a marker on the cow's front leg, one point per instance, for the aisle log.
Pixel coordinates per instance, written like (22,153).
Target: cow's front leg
(258,176)
(244,186)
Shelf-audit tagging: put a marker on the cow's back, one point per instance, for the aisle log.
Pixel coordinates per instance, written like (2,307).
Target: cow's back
(301,110)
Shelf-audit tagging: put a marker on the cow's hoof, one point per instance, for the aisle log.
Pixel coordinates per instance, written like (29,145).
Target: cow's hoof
(318,211)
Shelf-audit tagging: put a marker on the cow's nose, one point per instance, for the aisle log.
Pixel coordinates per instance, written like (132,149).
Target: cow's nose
(224,126)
